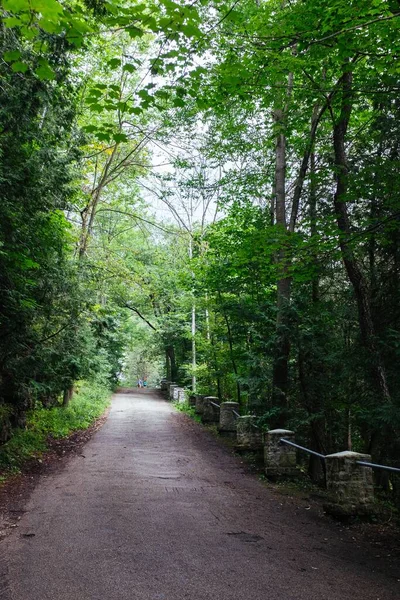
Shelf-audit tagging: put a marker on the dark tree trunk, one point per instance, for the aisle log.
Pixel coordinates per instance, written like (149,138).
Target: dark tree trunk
(172,362)
(67,395)
(353,269)
(167,366)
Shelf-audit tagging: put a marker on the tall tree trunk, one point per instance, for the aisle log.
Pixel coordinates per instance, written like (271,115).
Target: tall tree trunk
(194,364)
(230,342)
(353,269)
(168,366)
(193,327)
(282,349)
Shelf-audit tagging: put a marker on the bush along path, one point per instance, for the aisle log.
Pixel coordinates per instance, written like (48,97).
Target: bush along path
(155,508)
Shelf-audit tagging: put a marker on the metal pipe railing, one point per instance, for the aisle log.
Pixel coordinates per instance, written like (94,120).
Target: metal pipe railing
(215,404)
(302,448)
(236,414)
(375,466)
(358,462)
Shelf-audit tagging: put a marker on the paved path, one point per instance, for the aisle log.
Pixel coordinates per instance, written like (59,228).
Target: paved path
(157,510)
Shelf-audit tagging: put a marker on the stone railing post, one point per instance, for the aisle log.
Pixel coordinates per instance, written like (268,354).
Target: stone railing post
(279,459)
(171,388)
(227,418)
(199,405)
(164,384)
(210,411)
(181,396)
(192,400)
(175,393)
(249,437)
(349,485)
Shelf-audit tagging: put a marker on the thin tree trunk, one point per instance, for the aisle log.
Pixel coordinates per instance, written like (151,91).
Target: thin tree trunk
(282,350)
(230,342)
(193,328)
(313,223)
(167,366)
(172,361)
(194,364)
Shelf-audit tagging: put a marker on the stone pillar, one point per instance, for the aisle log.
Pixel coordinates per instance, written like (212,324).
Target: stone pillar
(192,400)
(164,385)
(171,388)
(279,459)
(210,411)
(227,418)
(249,438)
(350,486)
(199,406)
(181,396)
(175,393)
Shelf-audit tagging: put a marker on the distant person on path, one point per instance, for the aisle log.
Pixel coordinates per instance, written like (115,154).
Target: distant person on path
(144,382)
(140,383)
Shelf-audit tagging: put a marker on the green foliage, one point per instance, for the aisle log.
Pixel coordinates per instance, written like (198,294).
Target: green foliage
(89,402)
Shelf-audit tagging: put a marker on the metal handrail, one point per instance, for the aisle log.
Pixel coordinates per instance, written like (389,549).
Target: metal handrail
(215,404)
(302,448)
(358,462)
(237,415)
(375,466)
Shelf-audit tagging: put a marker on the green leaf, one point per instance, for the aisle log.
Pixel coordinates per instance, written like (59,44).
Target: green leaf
(144,94)
(191,31)
(45,72)
(134,32)
(16,5)
(103,136)
(97,108)
(47,8)
(129,68)
(120,137)
(12,22)
(19,67)
(11,55)
(50,26)
(114,63)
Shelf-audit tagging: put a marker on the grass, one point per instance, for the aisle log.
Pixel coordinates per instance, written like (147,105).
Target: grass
(88,403)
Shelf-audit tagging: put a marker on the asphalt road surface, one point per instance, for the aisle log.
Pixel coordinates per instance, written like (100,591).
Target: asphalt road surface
(157,509)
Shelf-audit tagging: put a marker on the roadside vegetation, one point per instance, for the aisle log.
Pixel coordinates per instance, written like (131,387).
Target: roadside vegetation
(89,402)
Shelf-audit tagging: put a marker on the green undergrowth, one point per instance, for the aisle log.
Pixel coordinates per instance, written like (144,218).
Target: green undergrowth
(88,403)
(189,410)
